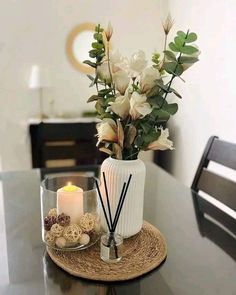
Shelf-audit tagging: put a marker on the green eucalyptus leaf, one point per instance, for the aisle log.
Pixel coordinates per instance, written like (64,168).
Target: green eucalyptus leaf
(179,42)
(170,55)
(90,77)
(99,29)
(175,92)
(159,115)
(161,85)
(188,49)
(155,101)
(97,45)
(91,64)
(173,47)
(156,58)
(98,53)
(138,141)
(92,53)
(188,59)
(104,92)
(98,37)
(181,34)
(107,115)
(173,68)
(171,108)
(191,38)
(146,127)
(93,98)
(151,136)
(100,107)
(154,91)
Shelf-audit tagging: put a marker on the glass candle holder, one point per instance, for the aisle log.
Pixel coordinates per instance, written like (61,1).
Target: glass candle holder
(111,247)
(69,212)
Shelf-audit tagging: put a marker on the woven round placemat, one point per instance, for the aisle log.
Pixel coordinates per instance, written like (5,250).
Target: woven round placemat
(142,253)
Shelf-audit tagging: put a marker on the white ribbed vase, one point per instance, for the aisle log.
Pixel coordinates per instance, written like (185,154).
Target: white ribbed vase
(117,172)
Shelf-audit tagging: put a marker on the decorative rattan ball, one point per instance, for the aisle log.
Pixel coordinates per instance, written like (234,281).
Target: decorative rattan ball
(72,233)
(49,238)
(87,222)
(84,239)
(49,221)
(63,219)
(52,212)
(57,230)
(61,242)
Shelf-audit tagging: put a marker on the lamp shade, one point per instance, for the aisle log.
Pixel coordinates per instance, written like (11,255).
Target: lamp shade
(38,78)
(35,79)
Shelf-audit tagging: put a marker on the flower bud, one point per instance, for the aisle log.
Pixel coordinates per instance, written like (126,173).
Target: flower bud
(109,31)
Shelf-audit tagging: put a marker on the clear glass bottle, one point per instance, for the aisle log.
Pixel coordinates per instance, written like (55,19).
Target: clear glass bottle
(111,247)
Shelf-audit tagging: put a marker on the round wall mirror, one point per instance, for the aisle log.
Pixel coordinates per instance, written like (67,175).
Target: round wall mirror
(78,45)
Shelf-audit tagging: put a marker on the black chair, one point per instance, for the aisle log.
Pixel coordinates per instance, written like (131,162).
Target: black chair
(74,142)
(218,187)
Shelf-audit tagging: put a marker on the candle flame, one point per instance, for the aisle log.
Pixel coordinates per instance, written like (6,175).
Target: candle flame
(69,183)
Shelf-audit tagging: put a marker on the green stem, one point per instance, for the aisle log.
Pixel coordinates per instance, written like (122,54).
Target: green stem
(96,81)
(131,156)
(164,58)
(109,68)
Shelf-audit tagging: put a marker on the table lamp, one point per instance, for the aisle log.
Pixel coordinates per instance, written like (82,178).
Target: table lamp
(37,81)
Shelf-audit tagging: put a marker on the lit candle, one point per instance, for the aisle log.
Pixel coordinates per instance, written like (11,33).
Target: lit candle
(70,202)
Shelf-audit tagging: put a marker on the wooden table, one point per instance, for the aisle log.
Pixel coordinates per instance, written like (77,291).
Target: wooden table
(195,264)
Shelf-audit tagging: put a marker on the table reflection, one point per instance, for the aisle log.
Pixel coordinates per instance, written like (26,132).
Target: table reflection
(215,225)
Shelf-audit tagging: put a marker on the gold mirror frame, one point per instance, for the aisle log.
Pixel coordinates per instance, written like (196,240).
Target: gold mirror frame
(69,47)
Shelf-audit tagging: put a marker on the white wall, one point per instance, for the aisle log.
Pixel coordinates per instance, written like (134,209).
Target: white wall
(209,94)
(34,32)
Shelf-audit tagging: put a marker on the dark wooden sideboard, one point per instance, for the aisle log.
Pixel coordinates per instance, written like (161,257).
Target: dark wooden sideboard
(61,143)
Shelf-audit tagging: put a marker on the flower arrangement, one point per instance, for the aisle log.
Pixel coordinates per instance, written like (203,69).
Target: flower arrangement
(131,98)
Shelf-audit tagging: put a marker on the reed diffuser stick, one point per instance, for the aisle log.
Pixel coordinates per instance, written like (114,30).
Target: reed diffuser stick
(103,207)
(111,224)
(108,201)
(114,224)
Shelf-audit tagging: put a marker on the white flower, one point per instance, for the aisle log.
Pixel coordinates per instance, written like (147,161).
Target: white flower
(148,77)
(103,72)
(107,131)
(116,57)
(139,108)
(162,143)
(121,80)
(137,63)
(121,106)
(117,61)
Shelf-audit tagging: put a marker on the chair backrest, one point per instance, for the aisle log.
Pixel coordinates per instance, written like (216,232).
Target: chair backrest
(87,170)
(74,142)
(219,187)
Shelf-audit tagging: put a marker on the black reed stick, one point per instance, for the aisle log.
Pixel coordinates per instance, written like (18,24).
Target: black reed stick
(112,225)
(103,207)
(108,202)
(111,233)
(121,205)
(118,206)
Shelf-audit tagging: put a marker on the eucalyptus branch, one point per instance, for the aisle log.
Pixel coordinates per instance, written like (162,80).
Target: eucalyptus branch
(173,75)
